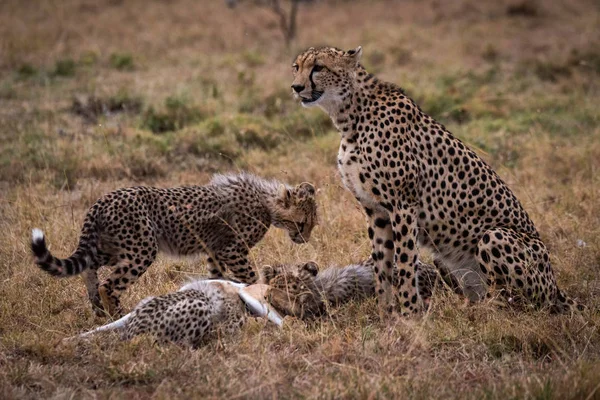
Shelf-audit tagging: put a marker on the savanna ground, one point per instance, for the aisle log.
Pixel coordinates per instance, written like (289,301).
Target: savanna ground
(97,95)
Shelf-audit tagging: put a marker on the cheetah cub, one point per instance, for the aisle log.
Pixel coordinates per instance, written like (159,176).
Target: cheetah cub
(421,186)
(302,291)
(224,219)
(199,311)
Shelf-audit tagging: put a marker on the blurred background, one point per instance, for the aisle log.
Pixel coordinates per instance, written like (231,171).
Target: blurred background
(139,89)
(101,94)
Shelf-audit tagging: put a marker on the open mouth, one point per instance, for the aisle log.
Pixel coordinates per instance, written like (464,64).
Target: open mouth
(314,96)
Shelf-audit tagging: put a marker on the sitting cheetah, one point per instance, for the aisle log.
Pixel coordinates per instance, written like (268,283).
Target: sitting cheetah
(224,219)
(191,316)
(421,186)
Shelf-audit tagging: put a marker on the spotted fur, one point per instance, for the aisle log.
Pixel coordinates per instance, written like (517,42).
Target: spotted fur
(301,290)
(126,228)
(190,317)
(421,186)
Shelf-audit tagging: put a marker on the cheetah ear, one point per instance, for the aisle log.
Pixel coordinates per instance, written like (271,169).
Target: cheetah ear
(284,195)
(305,191)
(354,55)
(267,272)
(311,267)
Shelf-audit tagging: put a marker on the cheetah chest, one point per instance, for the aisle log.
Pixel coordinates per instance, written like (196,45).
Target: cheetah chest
(352,171)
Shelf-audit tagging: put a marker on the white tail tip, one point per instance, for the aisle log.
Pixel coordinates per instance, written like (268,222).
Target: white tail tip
(37,234)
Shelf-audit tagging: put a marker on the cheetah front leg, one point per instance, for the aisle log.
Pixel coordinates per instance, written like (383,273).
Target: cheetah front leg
(91,283)
(405,230)
(90,278)
(233,258)
(215,268)
(381,235)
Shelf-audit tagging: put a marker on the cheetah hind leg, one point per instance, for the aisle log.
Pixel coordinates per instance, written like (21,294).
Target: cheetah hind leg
(91,284)
(519,267)
(132,264)
(125,274)
(90,278)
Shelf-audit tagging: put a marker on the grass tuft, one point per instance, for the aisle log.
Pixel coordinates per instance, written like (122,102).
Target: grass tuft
(65,68)
(92,107)
(523,8)
(122,61)
(175,115)
(26,71)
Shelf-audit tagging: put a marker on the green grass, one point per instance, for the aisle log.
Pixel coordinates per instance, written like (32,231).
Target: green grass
(64,68)
(176,113)
(122,61)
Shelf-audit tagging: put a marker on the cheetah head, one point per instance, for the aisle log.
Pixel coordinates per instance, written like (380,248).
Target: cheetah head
(295,210)
(323,76)
(291,289)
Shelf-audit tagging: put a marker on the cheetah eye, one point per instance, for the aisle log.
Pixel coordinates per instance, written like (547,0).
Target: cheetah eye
(294,224)
(295,67)
(317,68)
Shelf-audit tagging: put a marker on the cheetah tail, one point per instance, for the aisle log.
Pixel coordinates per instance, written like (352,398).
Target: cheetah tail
(119,324)
(84,257)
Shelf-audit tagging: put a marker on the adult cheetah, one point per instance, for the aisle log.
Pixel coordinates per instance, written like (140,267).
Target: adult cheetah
(126,228)
(419,185)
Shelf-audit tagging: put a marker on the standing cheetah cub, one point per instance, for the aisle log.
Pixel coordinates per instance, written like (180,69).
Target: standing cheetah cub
(421,186)
(126,228)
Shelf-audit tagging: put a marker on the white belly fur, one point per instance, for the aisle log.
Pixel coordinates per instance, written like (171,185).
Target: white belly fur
(350,177)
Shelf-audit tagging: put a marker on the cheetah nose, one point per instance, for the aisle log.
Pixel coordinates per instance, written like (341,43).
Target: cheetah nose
(298,88)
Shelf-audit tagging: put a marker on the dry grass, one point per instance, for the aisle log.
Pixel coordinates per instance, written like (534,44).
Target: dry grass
(519,82)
